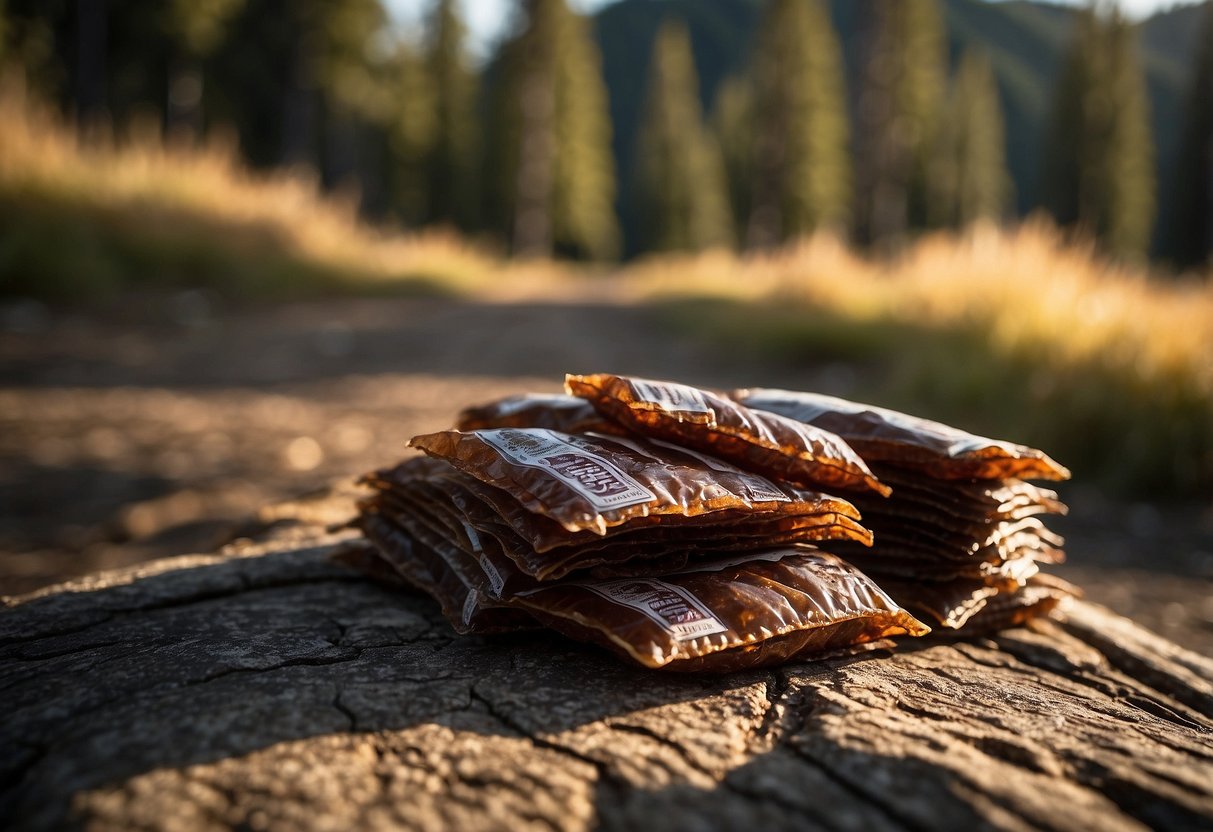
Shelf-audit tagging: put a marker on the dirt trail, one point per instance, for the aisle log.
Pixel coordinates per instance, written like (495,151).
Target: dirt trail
(154,428)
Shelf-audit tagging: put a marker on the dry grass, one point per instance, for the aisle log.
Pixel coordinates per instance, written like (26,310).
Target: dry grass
(85,217)
(1021,333)
(1028,288)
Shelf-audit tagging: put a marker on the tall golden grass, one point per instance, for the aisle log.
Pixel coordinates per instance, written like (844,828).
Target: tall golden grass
(1023,331)
(182,201)
(1030,288)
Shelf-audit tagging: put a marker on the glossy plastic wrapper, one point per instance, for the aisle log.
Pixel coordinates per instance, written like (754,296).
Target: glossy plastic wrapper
(766,443)
(1043,594)
(591,483)
(775,606)
(434,493)
(879,434)
(567,414)
(441,572)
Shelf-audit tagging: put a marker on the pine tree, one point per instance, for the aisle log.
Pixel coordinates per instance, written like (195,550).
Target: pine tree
(550,170)
(680,177)
(451,159)
(583,203)
(732,119)
(903,75)
(411,128)
(1192,236)
(969,175)
(195,28)
(1100,171)
(801,174)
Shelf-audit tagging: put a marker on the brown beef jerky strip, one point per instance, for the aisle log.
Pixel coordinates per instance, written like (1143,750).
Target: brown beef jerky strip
(887,435)
(766,443)
(647,550)
(936,558)
(567,414)
(465,606)
(745,615)
(482,504)
(1008,575)
(946,603)
(962,540)
(1010,609)
(591,483)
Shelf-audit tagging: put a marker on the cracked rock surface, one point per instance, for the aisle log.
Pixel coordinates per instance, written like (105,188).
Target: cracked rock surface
(264,687)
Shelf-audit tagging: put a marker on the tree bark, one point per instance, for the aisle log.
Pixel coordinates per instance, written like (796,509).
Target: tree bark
(267,687)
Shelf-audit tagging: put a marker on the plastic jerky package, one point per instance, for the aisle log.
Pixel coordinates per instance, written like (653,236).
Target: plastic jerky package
(766,443)
(567,414)
(464,604)
(763,608)
(673,525)
(590,483)
(879,434)
(497,528)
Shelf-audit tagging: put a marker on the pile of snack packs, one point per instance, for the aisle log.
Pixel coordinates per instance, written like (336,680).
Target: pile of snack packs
(690,530)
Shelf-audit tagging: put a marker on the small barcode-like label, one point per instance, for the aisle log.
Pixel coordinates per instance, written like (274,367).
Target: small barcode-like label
(496,582)
(678,612)
(596,479)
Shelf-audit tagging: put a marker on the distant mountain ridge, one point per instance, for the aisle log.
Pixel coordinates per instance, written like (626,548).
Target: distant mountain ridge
(1025,41)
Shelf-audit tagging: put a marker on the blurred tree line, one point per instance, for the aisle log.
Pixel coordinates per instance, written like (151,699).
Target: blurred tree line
(520,149)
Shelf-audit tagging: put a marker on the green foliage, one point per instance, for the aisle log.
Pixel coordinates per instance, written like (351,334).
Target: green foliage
(799,160)
(72,252)
(682,204)
(198,26)
(969,175)
(1100,171)
(903,81)
(1192,236)
(921,73)
(583,203)
(411,130)
(551,173)
(453,158)
(732,117)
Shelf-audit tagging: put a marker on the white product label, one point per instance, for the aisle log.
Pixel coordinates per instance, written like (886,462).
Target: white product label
(678,612)
(758,488)
(672,398)
(469,606)
(572,461)
(496,582)
(473,537)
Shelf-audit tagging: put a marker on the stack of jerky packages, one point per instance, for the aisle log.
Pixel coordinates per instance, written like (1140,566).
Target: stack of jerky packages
(961,537)
(669,524)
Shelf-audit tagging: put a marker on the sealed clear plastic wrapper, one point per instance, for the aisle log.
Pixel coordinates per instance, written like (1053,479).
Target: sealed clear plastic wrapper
(1002,538)
(1042,594)
(441,573)
(947,604)
(590,483)
(542,549)
(880,434)
(766,443)
(760,608)
(962,504)
(567,414)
